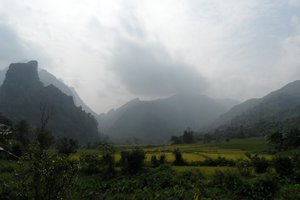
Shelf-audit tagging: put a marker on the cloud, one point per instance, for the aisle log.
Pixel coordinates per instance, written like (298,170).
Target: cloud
(14,48)
(11,47)
(148,69)
(112,51)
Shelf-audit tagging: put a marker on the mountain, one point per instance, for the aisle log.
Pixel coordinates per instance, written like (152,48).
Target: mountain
(48,79)
(22,95)
(156,121)
(278,106)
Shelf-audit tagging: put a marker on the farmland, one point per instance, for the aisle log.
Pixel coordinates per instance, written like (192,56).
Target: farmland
(235,169)
(231,150)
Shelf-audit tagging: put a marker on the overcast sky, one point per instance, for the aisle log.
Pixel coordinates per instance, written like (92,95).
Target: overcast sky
(116,50)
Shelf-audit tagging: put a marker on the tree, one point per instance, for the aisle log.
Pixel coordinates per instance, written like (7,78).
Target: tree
(154,161)
(283,165)
(292,139)
(45,139)
(178,158)
(67,146)
(260,164)
(23,132)
(46,176)
(176,140)
(44,136)
(133,161)
(188,136)
(276,139)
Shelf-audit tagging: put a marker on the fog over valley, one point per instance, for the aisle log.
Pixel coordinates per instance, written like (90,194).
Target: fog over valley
(111,52)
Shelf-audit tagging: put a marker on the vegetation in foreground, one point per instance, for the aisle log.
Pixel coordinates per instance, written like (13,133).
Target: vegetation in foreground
(147,173)
(230,169)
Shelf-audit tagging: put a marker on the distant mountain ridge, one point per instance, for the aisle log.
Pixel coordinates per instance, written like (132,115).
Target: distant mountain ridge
(47,79)
(22,94)
(279,105)
(155,121)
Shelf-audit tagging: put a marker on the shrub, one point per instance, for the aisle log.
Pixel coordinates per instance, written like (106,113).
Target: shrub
(179,161)
(162,159)
(154,161)
(46,176)
(260,164)
(220,161)
(283,165)
(289,192)
(264,187)
(133,161)
(91,164)
(229,181)
(244,167)
(67,146)
(108,163)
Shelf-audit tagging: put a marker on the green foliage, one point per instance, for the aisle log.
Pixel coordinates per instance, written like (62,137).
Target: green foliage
(91,164)
(283,165)
(155,183)
(285,141)
(229,181)
(188,137)
(45,138)
(67,146)
(133,161)
(46,176)
(289,192)
(162,159)
(244,167)
(219,161)
(276,139)
(108,162)
(178,158)
(260,164)
(154,161)
(262,188)
(23,133)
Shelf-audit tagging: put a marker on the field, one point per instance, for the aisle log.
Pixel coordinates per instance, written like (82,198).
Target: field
(216,170)
(231,150)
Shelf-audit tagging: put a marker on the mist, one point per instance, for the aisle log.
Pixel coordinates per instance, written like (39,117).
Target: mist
(111,52)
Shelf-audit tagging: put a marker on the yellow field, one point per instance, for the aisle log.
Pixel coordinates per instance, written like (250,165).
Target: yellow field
(232,150)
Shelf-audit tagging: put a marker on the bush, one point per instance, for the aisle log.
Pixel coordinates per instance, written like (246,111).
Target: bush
(179,161)
(289,192)
(262,188)
(229,181)
(283,165)
(260,164)
(220,161)
(108,162)
(162,159)
(67,146)
(154,161)
(91,164)
(244,167)
(46,176)
(133,161)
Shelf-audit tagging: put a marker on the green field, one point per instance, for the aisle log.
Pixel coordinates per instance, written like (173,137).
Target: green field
(231,150)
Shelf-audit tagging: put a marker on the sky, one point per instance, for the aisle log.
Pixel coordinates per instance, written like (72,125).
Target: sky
(114,51)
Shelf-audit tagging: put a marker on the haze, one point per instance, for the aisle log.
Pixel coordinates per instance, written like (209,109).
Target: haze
(114,51)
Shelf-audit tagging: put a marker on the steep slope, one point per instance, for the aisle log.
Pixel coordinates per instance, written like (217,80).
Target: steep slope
(277,106)
(48,79)
(22,94)
(155,121)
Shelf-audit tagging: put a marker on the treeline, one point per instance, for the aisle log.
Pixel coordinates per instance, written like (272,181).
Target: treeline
(280,135)
(15,138)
